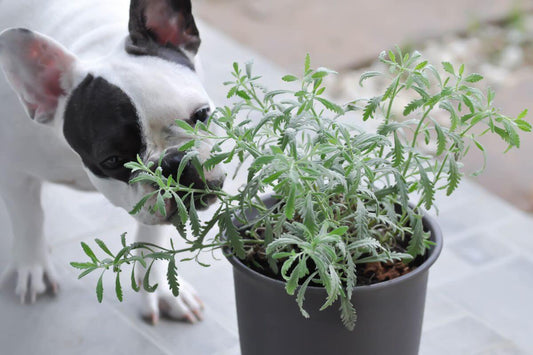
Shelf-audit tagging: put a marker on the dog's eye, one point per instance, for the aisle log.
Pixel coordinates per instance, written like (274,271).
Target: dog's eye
(113,162)
(200,115)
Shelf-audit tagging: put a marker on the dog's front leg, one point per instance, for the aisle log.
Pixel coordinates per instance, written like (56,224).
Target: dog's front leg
(30,257)
(187,306)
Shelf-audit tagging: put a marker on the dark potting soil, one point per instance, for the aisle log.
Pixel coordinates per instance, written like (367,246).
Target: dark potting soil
(367,274)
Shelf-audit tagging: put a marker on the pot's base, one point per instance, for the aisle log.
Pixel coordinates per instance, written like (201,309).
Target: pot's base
(389,313)
(389,320)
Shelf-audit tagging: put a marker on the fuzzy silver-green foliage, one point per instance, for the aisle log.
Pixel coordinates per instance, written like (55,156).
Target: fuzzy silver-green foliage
(342,192)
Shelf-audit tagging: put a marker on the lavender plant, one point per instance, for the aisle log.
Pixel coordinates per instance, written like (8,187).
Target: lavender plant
(342,194)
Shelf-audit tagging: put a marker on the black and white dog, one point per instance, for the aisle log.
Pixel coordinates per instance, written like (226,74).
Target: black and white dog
(113,94)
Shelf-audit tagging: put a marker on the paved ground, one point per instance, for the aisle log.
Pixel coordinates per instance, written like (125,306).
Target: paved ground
(479,298)
(341,34)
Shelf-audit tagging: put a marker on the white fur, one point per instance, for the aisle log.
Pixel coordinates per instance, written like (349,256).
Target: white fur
(94,30)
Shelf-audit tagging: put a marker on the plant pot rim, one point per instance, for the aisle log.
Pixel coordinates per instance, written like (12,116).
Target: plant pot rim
(434,252)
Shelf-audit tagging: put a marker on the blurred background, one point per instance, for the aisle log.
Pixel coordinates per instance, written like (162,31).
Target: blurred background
(491,37)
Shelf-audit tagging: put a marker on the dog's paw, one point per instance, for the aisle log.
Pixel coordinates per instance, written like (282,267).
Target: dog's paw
(186,307)
(32,279)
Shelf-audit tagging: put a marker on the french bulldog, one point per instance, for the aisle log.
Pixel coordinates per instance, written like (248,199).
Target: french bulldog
(75,108)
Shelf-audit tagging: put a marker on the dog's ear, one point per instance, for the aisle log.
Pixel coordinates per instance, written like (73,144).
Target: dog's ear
(37,68)
(166,23)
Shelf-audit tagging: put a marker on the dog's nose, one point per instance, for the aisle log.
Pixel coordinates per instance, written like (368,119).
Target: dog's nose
(171,162)
(216,184)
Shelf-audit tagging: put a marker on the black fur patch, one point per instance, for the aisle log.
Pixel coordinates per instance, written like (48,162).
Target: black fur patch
(100,123)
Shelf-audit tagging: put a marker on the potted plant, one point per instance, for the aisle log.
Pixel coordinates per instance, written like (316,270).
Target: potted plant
(329,212)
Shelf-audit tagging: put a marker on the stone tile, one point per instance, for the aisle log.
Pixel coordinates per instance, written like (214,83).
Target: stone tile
(480,249)
(500,296)
(233,351)
(71,323)
(506,348)
(464,336)
(214,285)
(448,267)
(517,231)
(439,310)
(478,210)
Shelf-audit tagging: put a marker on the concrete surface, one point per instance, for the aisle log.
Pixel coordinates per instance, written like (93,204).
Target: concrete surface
(340,34)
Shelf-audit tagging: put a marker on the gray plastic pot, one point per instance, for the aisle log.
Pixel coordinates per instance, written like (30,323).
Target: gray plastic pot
(389,313)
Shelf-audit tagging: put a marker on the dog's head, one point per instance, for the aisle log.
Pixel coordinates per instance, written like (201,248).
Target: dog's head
(123,105)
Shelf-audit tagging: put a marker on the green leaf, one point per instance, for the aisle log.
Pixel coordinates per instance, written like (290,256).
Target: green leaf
(160,205)
(118,288)
(474,78)
(514,138)
(417,244)
(193,217)
(289,78)
(83,266)
(172,278)
(190,144)
(123,239)
(215,160)
(226,225)
(468,103)
(185,126)
(448,67)
(441,139)
(307,63)
(348,313)
(102,246)
(288,263)
(421,65)
(523,125)
(371,107)
(454,176)
(146,280)
(522,114)
(368,75)
(300,297)
(88,251)
(231,92)
(361,219)
(86,272)
(398,151)
(339,231)
(290,204)
(243,95)
(428,189)
(100,288)
(292,282)
(139,205)
(330,105)
(392,57)
(332,287)
(446,105)
(262,160)
(412,106)
(134,284)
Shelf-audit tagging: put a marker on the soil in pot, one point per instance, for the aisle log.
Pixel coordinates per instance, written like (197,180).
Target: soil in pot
(367,274)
